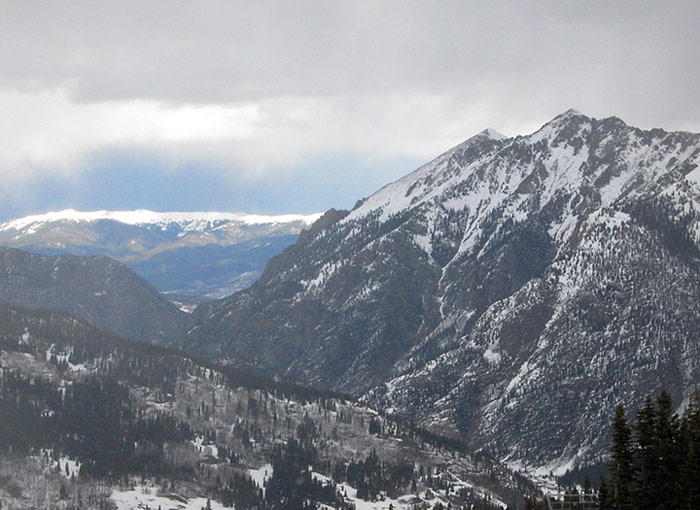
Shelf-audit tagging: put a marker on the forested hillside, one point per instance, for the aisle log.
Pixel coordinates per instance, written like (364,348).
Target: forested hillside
(90,420)
(97,289)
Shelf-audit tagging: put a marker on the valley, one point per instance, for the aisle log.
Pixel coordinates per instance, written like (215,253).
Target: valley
(457,339)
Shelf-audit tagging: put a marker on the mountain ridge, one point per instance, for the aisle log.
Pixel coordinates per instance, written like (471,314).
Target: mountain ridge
(97,289)
(444,293)
(146,216)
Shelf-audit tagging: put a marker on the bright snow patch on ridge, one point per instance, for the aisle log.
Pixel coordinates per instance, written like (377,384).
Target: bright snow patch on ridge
(143,217)
(492,133)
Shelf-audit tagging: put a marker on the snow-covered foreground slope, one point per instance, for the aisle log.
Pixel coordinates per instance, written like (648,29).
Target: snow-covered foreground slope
(191,253)
(511,291)
(427,498)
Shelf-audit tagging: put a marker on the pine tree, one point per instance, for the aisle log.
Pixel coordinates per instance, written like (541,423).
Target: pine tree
(621,462)
(690,476)
(587,488)
(666,490)
(645,460)
(603,495)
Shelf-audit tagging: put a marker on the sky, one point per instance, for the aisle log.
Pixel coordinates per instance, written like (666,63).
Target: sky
(296,107)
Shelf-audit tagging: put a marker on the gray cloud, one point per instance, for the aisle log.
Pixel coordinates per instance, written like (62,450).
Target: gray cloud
(626,54)
(287,81)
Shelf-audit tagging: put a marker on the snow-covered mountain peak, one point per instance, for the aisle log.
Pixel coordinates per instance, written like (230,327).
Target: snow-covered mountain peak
(431,178)
(562,127)
(573,154)
(572,112)
(484,292)
(493,134)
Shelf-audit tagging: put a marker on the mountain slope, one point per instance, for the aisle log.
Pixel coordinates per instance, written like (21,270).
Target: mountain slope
(507,291)
(83,412)
(194,254)
(97,289)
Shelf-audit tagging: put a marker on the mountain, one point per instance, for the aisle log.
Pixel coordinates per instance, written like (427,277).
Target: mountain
(94,421)
(509,292)
(97,289)
(198,254)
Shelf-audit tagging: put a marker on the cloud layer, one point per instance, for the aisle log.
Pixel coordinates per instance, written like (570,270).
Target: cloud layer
(259,90)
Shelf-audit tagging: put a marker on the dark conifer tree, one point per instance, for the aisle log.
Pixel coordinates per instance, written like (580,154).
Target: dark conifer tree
(604,495)
(645,460)
(690,476)
(621,462)
(667,479)
(587,488)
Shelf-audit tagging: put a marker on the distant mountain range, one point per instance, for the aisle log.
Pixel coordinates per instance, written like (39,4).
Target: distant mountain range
(511,291)
(198,254)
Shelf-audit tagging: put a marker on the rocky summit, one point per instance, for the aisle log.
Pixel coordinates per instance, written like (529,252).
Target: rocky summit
(511,291)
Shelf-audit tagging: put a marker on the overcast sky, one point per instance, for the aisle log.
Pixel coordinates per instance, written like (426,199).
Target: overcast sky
(299,106)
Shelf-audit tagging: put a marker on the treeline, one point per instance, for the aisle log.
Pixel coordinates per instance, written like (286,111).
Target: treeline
(655,461)
(138,363)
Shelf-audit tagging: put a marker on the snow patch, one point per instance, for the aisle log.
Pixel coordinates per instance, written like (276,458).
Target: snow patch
(68,467)
(142,496)
(205,449)
(694,176)
(492,357)
(261,475)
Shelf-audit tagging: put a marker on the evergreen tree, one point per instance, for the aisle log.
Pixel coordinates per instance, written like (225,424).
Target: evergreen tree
(621,462)
(587,488)
(603,495)
(690,476)
(645,460)
(665,490)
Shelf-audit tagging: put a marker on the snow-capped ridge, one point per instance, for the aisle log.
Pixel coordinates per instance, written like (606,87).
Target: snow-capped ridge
(398,195)
(187,253)
(144,216)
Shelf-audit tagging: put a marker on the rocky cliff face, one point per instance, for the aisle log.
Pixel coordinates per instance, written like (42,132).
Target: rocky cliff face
(97,289)
(511,291)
